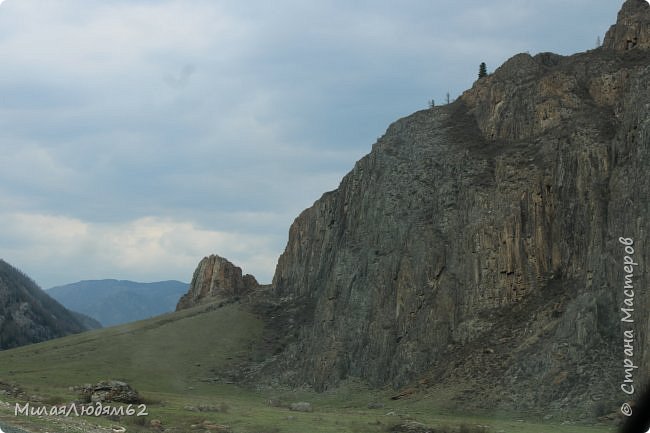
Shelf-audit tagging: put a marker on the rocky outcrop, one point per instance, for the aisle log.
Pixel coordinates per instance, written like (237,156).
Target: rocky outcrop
(631,30)
(27,314)
(477,245)
(216,277)
(109,391)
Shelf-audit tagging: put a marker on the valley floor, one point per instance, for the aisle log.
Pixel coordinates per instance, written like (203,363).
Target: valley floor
(231,409)
(176,362)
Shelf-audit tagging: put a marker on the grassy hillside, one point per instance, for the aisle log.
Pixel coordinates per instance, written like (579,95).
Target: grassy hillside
(173,361)
(168,353)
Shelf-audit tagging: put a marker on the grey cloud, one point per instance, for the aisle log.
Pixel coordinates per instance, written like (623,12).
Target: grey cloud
(180,79)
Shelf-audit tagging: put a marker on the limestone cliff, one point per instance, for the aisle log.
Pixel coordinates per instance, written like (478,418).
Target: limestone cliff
(216,277)
(477,245)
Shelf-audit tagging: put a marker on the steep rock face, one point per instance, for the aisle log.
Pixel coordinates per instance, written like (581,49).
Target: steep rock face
(216,277)
(27,314)
(631,30)
(478,243)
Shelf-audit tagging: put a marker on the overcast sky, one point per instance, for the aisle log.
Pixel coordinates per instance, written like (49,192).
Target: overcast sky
(137,136)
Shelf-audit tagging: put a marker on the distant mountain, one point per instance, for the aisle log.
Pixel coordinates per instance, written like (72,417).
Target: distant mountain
(27,314)
(113,302)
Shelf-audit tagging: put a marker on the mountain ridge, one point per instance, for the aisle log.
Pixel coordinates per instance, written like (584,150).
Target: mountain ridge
(27,314)
(113,302)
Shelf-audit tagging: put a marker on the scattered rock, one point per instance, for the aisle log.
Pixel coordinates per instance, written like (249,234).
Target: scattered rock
(11,389)
(222,407)
(216,427)
(302,406)
(404,393)
(375,405)
(274,402)
(609,417)
(208,408)
(411,427)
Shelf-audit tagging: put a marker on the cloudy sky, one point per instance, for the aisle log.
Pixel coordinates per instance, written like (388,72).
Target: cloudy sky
(137,136)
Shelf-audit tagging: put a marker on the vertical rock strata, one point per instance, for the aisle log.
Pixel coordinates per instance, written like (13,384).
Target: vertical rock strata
(216,277)
(477,244)
(631,29)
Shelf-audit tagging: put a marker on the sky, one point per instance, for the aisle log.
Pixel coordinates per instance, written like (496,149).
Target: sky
(138,136)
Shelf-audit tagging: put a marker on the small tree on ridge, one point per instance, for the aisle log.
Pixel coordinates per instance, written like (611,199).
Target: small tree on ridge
(482,70)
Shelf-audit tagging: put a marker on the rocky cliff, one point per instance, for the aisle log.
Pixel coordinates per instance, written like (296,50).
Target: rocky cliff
(631,29)
(477,245)
(27,314)
(216,277)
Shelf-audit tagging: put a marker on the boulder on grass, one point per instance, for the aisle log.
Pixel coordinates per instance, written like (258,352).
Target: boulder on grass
(110,391)
(302,406)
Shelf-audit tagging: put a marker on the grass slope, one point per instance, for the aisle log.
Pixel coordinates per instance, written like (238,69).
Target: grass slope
(168,353)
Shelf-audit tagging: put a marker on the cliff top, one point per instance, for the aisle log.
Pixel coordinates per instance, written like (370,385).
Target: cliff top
(632,28)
